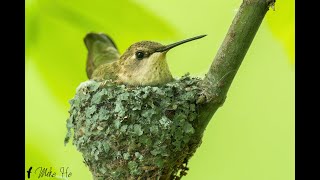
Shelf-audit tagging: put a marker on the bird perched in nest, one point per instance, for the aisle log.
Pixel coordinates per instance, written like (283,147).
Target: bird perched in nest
(143,63)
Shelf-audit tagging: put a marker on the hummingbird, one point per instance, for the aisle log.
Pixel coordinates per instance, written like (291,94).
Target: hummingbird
(143,63)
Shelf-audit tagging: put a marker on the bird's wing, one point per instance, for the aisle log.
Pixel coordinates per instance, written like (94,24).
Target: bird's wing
(101,50)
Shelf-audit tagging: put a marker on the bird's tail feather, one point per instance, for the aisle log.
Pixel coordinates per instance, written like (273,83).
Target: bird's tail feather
(101,49)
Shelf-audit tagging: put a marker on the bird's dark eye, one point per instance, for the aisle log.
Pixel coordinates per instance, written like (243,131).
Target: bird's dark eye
(139,55)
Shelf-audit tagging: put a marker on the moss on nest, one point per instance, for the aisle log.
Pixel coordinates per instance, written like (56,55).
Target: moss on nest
(140,132)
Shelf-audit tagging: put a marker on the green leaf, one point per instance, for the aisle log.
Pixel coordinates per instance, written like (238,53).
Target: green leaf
(154,129)
(137,129)
(155,152)
(124,128)
(103,114)
(90,110)
(148,113)
(126,155)
(123,97)
(159,162)
(133,167)
(192,107)
(117,123)
(138,155)
(119,107)
(165,122)
(106,147)
(96,98)
(145,140)
(102,170)
(188,128)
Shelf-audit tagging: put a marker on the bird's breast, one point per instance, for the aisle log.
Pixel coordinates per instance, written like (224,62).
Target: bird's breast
(155,74)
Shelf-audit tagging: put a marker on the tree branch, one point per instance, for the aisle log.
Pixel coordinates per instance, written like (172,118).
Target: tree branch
(229,57)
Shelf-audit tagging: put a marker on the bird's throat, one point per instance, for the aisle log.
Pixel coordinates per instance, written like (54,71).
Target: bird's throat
(153,73)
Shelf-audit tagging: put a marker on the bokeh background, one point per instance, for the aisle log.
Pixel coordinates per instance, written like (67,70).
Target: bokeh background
(251,137)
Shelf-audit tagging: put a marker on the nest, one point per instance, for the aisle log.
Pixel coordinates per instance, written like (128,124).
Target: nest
(139,132)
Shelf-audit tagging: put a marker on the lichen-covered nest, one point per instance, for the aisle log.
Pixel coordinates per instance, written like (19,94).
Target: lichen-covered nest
(140,132)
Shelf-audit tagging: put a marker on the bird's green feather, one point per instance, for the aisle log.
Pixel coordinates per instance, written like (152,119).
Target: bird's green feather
(101,50)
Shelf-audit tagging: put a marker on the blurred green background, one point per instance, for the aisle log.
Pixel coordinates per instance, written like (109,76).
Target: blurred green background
(251,137)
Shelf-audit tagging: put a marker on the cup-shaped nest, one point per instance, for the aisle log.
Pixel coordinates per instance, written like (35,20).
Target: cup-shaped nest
(138,132)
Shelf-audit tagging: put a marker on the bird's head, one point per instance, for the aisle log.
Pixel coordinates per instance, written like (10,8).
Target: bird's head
(145,62)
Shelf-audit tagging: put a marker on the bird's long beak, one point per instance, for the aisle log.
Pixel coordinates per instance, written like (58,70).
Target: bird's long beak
(170,46)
